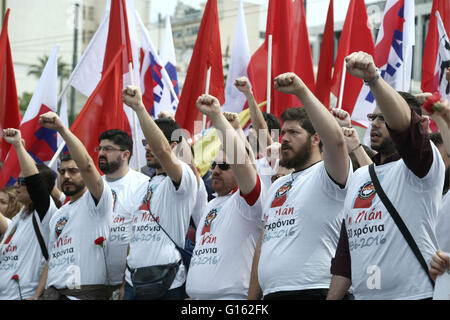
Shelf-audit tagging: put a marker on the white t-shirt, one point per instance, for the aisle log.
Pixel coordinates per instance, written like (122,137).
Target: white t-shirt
(225,243)
(265,171)
(21,254)
(128,192)
(382,263)
(443,224)
(75,259)
(200,203)
(302,220)
(172,207)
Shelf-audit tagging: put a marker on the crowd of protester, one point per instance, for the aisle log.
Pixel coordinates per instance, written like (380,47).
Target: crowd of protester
(294,216)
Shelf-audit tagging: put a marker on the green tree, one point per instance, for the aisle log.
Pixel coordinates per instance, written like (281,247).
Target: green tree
(64,69)
(24,101)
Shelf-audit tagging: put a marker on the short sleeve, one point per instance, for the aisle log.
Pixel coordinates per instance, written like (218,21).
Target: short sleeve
(330,187)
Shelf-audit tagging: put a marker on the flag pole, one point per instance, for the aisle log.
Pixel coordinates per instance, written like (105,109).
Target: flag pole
(130,67)
(208,80)
(269,72)
(341,91)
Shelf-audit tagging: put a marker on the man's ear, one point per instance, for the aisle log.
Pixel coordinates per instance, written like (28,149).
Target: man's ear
(315,139)
(126,154)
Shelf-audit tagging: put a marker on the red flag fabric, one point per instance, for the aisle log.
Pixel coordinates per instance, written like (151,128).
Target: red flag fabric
(356,36)
(117,36)
(430,83)
(324,72)
(303,62)
(104,108)
(207,54)
(9,104)
(291,52)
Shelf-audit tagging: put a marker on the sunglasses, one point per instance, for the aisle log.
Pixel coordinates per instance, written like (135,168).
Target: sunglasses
(222,166)
(373,116)
(21,181)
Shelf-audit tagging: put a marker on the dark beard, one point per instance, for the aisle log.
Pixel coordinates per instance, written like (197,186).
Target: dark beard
(154,165)
(109,167)
(78,188)
(386,147)
(299,160)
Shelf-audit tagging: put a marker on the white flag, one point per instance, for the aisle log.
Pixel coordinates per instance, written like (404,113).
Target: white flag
(167,55)
(443,59)
(240,57)
(393,54)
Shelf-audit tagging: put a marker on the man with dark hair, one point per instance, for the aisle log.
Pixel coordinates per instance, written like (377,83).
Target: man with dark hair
(169,199)
(128,187)
(263,133)
(20,251)
(372,255)
(301,214)
(76,266)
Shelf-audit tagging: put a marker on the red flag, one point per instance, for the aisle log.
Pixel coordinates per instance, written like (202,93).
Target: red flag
(324,72)
(118,39)
(9,104)
(430,83)
(100,113)
(303,62)
(356,36)
(291,52)
(207,54)
(118,35)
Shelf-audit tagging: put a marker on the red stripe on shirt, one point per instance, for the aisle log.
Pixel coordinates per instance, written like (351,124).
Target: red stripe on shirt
(253,195)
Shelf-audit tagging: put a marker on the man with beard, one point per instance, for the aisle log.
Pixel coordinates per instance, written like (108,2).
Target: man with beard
(169,199)
(76,266)
(128,188)
(302,212)
(373,255)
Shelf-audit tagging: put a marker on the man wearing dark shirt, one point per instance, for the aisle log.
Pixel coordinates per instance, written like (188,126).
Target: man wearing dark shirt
(372,254)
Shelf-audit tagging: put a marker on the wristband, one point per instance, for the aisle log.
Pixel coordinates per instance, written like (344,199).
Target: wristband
(371,82)
(360,145)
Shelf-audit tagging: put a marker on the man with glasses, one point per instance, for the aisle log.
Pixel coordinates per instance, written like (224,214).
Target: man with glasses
(169,199)
(128,186)
(229,227)
(76,266)
(372,255)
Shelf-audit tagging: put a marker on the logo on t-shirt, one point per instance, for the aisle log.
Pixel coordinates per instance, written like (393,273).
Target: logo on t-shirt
(60,224)
(281,194)
(365,196)
(114,195)
(11,234)
(209,219)
(146,201)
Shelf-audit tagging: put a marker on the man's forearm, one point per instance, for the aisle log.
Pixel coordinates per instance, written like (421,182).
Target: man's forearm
(154,136)
(395,109)
(257,118)
(27,164)
(362,157)
(42,282)
(338,287)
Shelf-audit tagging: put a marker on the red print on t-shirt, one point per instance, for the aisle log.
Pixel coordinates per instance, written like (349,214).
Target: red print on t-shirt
(209,219)
(281,194)
(365,196)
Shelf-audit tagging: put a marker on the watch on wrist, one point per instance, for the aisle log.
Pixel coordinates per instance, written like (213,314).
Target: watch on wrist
(371,82)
